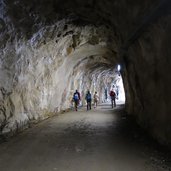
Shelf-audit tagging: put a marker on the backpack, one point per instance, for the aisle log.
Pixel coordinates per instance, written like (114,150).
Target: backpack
(76,96)
(88,96)
(112,93)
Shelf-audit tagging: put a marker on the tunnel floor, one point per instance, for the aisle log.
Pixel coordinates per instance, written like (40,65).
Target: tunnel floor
(102,139)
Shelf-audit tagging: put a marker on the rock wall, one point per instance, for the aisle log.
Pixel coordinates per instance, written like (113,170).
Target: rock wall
(39,75)
(148,67)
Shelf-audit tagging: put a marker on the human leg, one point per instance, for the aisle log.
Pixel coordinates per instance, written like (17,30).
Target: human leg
(95,103)
(90,105)
(87,105)
(112,102)
(76,105)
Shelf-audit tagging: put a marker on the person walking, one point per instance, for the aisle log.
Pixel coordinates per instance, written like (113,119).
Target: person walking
(88,99)
(113,97)
(76,99)
(106,94)
(95,99)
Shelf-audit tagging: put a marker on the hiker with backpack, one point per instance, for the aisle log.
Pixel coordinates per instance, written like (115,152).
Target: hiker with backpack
(88,99)
(113,97)
(76,99)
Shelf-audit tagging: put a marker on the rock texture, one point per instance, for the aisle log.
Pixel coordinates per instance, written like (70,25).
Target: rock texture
(50,48)
(149,79)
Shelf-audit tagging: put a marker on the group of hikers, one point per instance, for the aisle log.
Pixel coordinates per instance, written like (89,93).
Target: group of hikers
(77,98)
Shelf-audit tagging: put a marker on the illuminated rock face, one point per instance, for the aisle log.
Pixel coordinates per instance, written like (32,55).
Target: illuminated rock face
(50,48)
(39,75)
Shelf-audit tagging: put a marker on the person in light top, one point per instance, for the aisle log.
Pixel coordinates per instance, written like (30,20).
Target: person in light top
(95,99)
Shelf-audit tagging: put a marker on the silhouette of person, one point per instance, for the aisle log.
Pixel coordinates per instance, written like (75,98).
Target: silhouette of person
(88,99)
(76,99)
(95,99)
(113,97)
(106,94)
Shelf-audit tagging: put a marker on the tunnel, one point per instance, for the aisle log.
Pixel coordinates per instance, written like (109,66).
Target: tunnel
(50,48)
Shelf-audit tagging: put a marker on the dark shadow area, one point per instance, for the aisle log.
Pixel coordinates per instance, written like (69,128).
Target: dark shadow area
(130,132)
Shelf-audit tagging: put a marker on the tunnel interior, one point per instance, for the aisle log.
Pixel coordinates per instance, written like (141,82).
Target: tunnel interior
(49,48)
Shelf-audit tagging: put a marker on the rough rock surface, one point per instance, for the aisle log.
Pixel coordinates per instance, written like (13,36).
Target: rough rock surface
(149,79)
(51,47)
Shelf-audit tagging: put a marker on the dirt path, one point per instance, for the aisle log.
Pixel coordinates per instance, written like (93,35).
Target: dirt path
(97,140)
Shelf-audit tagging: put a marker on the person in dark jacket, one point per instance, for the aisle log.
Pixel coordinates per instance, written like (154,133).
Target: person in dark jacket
(113,98)
(88,99)
(76,99)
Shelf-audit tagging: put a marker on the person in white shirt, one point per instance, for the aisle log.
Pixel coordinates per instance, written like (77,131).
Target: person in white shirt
(95,99)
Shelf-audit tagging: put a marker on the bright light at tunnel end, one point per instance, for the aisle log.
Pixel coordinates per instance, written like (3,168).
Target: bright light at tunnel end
(118,67)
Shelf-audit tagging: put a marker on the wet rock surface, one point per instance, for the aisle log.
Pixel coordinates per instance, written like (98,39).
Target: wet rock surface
(101,139)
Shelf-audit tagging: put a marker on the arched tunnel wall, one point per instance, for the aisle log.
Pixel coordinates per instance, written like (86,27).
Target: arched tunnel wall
(49,49)
(39,75)
(147,64)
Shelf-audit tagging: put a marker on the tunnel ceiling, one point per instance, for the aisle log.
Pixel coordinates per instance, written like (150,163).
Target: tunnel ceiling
(44,18)
(86,29)
(30,15)
(108,22)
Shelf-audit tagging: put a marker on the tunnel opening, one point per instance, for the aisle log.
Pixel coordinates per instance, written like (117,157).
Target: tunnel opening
(97,76)
(118,86)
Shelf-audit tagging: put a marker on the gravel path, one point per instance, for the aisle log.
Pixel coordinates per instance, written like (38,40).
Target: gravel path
(98,140)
